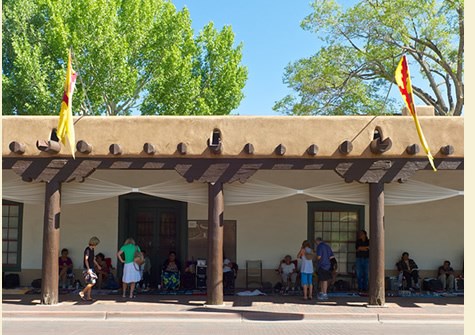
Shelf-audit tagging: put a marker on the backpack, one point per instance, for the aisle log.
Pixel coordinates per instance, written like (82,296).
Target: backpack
(432,285)
(342,285)
(36,283)
(111,284)
(11,280)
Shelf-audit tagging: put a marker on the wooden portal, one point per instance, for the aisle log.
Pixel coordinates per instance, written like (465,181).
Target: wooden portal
(376,252)
(215,243)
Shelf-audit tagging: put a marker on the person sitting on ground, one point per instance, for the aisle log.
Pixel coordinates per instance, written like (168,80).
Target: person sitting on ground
(408,269)
(103,273)
(65,269)
(171,272)
(446,276)
(288,274)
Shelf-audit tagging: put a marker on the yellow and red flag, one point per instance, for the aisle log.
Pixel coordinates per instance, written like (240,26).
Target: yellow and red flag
(65,126)
(403,80)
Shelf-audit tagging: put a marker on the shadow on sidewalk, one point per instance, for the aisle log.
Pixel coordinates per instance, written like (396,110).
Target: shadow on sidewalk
(237,301)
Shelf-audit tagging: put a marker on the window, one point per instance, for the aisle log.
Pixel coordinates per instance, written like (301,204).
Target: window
(337,224)
(11,235)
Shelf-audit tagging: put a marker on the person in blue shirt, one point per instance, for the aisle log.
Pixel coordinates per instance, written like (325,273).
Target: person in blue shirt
(325,264)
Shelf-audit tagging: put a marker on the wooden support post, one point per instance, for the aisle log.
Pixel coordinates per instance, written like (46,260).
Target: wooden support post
(50,267)
(376,252)
(215,243)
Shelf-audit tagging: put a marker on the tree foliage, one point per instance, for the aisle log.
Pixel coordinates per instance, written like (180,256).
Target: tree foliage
(130,55)
(362,45)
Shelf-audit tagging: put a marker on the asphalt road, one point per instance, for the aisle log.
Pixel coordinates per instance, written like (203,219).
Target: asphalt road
(93,327)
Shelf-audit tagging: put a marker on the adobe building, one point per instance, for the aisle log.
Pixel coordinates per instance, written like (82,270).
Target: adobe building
(243,187)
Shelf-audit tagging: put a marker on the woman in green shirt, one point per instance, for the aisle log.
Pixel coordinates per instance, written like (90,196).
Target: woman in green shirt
(131,273)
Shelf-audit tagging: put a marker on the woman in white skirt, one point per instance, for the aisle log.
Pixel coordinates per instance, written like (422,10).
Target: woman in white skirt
(131,270)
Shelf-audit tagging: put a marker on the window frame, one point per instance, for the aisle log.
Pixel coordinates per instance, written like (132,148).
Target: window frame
(314,206)
(14,267)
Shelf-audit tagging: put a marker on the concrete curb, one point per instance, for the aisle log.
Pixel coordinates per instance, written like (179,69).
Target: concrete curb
(232,317)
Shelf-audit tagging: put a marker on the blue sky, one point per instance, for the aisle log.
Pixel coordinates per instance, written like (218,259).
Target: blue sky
(272,37)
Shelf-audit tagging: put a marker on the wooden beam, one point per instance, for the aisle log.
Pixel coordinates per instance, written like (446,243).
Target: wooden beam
(181,148)
(249,148)
(312,150)
(51,147)
(413,149)
(280,150)
(215,149)
(447,150)
(376,171)
(115,149)
(83,147)
(215,244)
(50,267)
(376,252)
(149,148)
(17,147)
(345,147)
(379,146)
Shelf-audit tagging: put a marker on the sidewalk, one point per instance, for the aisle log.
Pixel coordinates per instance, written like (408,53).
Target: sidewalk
(236,309)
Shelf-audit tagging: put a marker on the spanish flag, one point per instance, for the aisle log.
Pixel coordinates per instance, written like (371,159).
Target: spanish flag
(403,80)
(65,126)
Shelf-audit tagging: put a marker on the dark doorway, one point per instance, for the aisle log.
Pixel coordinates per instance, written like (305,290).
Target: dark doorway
(157,225)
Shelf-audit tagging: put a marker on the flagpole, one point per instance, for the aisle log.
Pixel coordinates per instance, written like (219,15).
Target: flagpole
(88,102)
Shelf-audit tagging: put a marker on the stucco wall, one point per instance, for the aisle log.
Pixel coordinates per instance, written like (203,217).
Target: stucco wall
(430,232)
(264,132)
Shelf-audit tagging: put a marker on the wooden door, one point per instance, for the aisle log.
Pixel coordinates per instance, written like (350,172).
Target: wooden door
(157,227)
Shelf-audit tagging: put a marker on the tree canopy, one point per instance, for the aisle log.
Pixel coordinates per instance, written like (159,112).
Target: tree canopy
(362,45)
(130,55)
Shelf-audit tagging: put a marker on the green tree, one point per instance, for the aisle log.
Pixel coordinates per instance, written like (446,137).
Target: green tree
(130,55)
(362,46)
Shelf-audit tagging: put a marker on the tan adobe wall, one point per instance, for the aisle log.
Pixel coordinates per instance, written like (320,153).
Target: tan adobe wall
(264,132)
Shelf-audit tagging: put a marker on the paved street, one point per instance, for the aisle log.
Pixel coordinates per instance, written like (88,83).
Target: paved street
(116,327)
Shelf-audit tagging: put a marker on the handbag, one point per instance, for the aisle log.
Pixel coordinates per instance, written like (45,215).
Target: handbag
(138,257)
(309,256)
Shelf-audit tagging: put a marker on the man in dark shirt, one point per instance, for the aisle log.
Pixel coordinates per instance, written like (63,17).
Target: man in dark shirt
(446,276)
(362,260)
(408,269)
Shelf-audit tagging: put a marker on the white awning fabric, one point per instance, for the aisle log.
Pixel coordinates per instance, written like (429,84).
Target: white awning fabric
(253,191)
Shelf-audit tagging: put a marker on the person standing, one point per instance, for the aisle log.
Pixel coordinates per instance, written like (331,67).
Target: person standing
(90,276)
(131,273)
(362,260)
(306,270)
(325,264)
